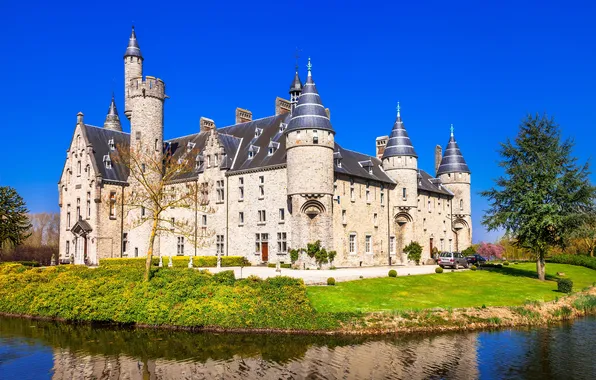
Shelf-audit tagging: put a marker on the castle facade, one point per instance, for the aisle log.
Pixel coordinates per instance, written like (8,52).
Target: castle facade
(268,185)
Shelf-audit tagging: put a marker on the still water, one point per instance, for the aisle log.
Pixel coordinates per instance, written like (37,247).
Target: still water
(47,350)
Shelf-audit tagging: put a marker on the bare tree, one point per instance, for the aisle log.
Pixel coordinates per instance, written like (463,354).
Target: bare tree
(160,183)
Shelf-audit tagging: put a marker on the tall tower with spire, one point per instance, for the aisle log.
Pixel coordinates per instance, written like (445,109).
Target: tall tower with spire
(112,119)
(295,89)
(310,141)
(400,161)
(133,68)
(456,176)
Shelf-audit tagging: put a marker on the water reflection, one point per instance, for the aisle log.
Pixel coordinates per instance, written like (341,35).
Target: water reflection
(83,352)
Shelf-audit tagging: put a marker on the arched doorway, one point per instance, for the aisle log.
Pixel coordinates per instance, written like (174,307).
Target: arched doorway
(404,229)
(463,239)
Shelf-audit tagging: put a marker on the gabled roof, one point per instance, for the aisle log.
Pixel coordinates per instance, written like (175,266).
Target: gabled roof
(100,138)
(428,183)
(453,161)
(350,165)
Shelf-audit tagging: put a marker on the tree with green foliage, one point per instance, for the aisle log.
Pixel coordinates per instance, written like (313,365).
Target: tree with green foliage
(585,233)
(14,221)
(414,251)
(543,194)
(469,251)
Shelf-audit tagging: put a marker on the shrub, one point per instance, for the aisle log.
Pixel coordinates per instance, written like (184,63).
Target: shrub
(505,263)
(295,254)
(473,267)
(392,273)
(282,265)
(469,251)
(584,261)
(565,285)
(414,251)
(330,281)
(178,261)
(438,270)
(225,278)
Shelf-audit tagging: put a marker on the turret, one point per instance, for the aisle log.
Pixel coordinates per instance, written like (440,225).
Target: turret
(455,176)
(133,68)
(400,161)
(310,140)
(112,119)
(295,89)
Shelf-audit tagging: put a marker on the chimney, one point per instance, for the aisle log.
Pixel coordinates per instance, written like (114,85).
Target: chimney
(242,115)
(438,158)
(381,143)
(282,106)
(80,118)
(206,124)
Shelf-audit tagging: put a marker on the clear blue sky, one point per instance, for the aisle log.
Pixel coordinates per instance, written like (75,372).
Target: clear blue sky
(479,65)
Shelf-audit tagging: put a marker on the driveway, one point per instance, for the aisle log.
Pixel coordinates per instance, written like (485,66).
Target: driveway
(314,277)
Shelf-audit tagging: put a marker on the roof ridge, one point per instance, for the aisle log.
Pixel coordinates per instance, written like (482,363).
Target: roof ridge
(111,130)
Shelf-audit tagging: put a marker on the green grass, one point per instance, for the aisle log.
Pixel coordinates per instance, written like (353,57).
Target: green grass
(510,286)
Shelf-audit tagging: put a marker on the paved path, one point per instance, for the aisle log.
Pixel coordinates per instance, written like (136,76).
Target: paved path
(313,277)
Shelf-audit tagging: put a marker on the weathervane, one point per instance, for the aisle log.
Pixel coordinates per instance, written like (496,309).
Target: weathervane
(297,56)
(309,65)
(451,130)
(398,109)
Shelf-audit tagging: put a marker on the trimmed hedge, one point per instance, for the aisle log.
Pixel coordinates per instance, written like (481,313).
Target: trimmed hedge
(392,273)
(178,261)
(283,266)
(178,297)
(564,285)
(438,270)
(583,261)
(330,281)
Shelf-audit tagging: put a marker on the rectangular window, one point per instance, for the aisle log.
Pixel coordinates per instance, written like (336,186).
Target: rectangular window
(142,168)
(216,160)
(315,137)
(240,188)
(124,242)
(142,210)
(67,248)
(180,246)
(442,245)
(220,191)
(461,205)
(367,195)
(68,219)
(429,207)
(382,198)
(450,246)
(241,218)
(403,194)
(78,168)
(136,252)
(262,216)
(344,219)
(208,161)
(113,205)
(282,215)
(352,195)
(204,220)
(88,205)
(261,187)
(352,243)
(220,244)
(78,208)
(282,245)
(375,220)
(368,244)
(258,243)
(392,245)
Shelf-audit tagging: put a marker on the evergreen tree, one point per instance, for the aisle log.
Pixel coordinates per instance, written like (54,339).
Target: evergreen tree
(14,222)
(544,193)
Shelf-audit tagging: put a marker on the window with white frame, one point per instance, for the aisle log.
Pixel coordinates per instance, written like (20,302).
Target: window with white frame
(220,191)
(368,244)
(180,246)
(259,240)
(442,245)
(113,205)
(262,216)
(67,248)
(216,159)
(282,245)
(88,205)
(219,244)
(240,188)
(111,144)
(282,214)
(392,245)
(208,161)
(241,218)
(352,243)
(78,208)
(68,216)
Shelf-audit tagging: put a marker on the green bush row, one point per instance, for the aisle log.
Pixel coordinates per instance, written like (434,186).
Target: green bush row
(580,260)
(173,296)
(178,261)
(285,266)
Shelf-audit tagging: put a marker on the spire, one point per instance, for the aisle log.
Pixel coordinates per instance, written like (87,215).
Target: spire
(112,119)
(453,161)
(296,85)
(133,49)
(309,113)
(399,143)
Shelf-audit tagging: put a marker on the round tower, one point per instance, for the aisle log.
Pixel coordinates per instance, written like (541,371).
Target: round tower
(112,121)
(456,176)
(400,161)
(310,141)
(133,68)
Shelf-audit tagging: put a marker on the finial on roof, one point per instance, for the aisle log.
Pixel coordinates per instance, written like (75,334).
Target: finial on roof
(112,121)
(398,109)
(451,130)
(309,66)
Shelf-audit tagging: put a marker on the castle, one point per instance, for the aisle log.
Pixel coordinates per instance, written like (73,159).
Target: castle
(271,184)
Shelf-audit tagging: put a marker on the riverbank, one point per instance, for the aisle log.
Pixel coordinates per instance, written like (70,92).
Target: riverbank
(196,300)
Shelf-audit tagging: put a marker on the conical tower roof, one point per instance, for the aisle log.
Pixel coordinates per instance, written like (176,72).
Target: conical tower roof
(453,161)
(309,112)
(296,85)
(399,143)
(133,49)
(112,119)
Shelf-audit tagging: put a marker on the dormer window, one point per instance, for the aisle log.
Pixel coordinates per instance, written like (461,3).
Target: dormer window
(111,144)
(315,137)
(190,146)
(252,151)
(273,146)
(107,161)
(251,154)
(337,158)
(282,127)
(198,161)
(258,132)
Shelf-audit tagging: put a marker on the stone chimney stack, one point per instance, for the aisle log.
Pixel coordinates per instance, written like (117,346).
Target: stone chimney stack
(381,143)
(438,157)
(80,118)
(282,106)
(206,124)
(242,115)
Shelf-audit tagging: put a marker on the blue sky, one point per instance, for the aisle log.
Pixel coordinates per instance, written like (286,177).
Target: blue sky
(479,65)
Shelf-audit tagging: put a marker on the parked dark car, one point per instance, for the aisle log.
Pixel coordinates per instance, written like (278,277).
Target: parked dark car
(475,259)
(452,259)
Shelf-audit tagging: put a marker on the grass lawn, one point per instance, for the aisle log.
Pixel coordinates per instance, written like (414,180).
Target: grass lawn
(509,286)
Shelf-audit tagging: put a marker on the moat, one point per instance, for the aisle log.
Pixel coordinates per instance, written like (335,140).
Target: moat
(43,350)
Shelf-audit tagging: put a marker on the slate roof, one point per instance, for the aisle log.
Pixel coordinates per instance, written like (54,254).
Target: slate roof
(100,139)
(428,183)
(296,85)
(309,112)
(133,49)
(351,165)
(399,143)
(453,160)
